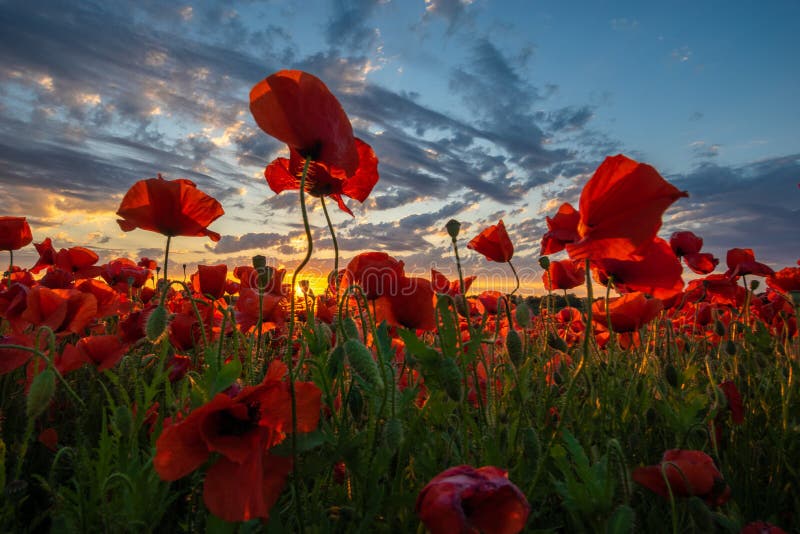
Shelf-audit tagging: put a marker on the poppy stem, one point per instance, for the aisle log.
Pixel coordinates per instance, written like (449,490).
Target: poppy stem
(458,264)
(166,258)
(290,345)
(335,244)
(516,276)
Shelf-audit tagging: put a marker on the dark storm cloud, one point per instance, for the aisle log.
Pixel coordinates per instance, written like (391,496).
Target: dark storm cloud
(750,206)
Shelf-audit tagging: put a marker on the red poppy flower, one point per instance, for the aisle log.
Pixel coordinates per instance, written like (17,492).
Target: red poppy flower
(688,473)
(11,359)
(785,280)
(63,310)
(561,229)
(734,399)
(620,209)
(246,312)
(298,109)
(245,480)
(654,270)
(685,242)
(761,527)
(210,280)
(169,207)
(14,233)
(493,243)
(564,274)
(123,273)
(284,174)
(108,300)
(78,261)
(742,261)
(465,499)
(628,313)
(442,285)
(377,273)
(717,289)
(411,306)
(104,351)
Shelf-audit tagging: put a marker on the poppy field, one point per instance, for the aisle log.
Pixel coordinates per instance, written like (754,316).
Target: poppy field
(235,399)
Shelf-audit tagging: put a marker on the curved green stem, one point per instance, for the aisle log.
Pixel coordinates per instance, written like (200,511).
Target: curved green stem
(335,246)
(290,344)
(458,264)
(166,258)
(516,276)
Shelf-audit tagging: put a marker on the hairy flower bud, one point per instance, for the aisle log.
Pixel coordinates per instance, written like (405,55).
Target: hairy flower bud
(544,262)
(156,323)
(360,359)
(41,393)
(514,346)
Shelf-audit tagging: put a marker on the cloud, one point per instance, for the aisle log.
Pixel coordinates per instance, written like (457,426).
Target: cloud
(230,243)
(749,206)
(454,12)
(703,150)
(347,27)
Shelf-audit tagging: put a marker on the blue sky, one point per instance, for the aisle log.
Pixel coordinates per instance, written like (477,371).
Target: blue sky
(476,109)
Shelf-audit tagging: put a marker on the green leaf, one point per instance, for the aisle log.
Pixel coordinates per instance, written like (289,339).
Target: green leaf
(226,376)
(622,521)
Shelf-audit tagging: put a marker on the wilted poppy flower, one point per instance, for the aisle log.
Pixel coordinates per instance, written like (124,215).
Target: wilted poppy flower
(298,109)
(321,180)
(245,480)
(620,209)
(564,274)
(210,280)
(493,243)
(561,229)
(628,313)
(654,270)
(688,473)
(377,273)
(169,207)
(14,233)
(464,499)
(742,261)
(442,285)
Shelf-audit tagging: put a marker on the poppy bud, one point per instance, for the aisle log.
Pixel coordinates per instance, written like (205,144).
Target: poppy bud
(523,315)
(356,403)
(259,262)
(461,305)
(450,376)
(730,348)
(360,359)
(544,262)
(514,346)
(453,227)
(671,375)
(156,323)
(335,361)
(350,328)
(754,285)
(41,393)
(719,328)
(556,342)
(393,433)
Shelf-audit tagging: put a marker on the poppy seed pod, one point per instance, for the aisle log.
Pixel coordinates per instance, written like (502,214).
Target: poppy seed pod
(453,227)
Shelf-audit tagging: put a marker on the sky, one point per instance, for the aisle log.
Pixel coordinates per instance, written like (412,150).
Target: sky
(476,109)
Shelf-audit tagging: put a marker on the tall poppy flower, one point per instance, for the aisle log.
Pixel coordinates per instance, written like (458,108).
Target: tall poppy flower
(656,271)
(628,313)
(493,243)
(324,180)
(561,229)
(441,284)
(14,233)
(742,261)
(411,306)
(687,245)
(210,280)
(377,273)
(688,473)
(298,108)
(465,499)
(564,274)
(245,480)
(169,207)
(620,209)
